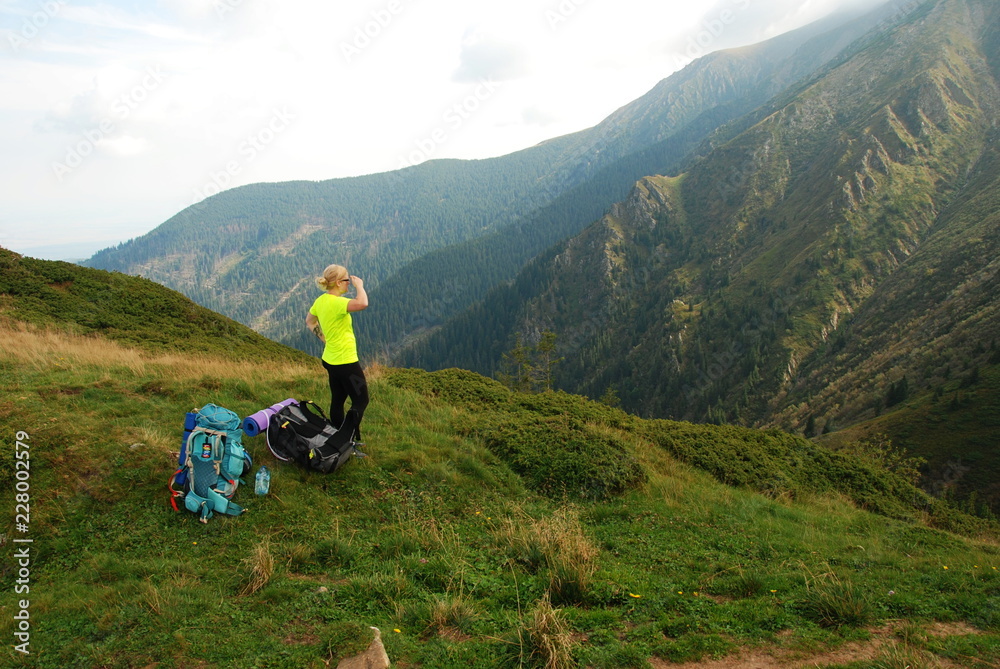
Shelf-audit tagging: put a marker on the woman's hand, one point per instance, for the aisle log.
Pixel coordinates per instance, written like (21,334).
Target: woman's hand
(360,300)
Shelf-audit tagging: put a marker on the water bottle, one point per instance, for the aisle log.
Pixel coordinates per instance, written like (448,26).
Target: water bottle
(263,481)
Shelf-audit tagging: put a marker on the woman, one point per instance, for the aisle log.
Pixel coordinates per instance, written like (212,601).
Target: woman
(330,319)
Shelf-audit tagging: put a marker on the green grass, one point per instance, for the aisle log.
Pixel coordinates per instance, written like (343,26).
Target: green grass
(468,553)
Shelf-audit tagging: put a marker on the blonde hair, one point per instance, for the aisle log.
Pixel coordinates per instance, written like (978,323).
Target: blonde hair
(332,275)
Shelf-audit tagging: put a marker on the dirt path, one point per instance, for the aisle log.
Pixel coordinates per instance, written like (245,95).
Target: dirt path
(883,641)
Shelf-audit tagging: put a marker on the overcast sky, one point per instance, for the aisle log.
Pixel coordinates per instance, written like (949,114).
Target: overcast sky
(116,115)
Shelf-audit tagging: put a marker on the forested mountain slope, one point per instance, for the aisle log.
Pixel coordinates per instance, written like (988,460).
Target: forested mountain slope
(919,361)
(727,293)
(655,134)
(247,250)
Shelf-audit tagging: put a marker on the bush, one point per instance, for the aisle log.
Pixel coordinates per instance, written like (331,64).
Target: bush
(456,386)
(546,438)
(558,456)
(776,463)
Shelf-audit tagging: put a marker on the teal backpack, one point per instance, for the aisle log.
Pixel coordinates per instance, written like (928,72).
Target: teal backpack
(211,462)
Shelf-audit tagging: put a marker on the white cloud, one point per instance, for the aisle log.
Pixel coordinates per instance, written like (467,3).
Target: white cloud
(126,145)
(491,59)
(536,116)
(111,20)
(76,115)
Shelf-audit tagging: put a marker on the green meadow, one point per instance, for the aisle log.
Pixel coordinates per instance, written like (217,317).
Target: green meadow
(488,528)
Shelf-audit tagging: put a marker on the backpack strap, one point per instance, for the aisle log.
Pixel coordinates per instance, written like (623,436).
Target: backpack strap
(317,407)
(198,504)
(184,471)
(174,492)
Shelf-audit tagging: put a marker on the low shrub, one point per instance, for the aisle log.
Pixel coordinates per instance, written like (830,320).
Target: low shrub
(559,456)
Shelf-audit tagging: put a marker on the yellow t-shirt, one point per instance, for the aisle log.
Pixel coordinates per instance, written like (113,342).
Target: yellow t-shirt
(341,346)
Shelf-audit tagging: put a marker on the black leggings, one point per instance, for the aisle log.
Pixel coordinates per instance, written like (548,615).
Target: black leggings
(347,381)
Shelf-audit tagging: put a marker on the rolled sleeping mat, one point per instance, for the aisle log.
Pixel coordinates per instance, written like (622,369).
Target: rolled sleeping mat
(250,428)
(256,423)
(190,421)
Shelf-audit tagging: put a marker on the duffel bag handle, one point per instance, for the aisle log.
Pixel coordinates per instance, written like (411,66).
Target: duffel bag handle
(317,408)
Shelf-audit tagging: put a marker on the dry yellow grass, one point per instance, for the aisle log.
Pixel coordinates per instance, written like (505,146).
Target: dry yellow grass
(557,543)
(42,348)
(259,566)
(549,637)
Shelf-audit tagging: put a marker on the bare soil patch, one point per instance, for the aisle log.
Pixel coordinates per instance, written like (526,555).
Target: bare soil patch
(781,658)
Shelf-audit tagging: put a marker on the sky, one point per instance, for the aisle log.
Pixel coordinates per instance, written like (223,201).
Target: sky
(116,115)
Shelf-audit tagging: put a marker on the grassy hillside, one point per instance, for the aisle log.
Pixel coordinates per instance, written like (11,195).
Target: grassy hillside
(130,310)
(487,528)
(954,429)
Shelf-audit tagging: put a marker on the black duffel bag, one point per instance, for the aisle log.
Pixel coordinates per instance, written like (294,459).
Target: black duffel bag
(302,433)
